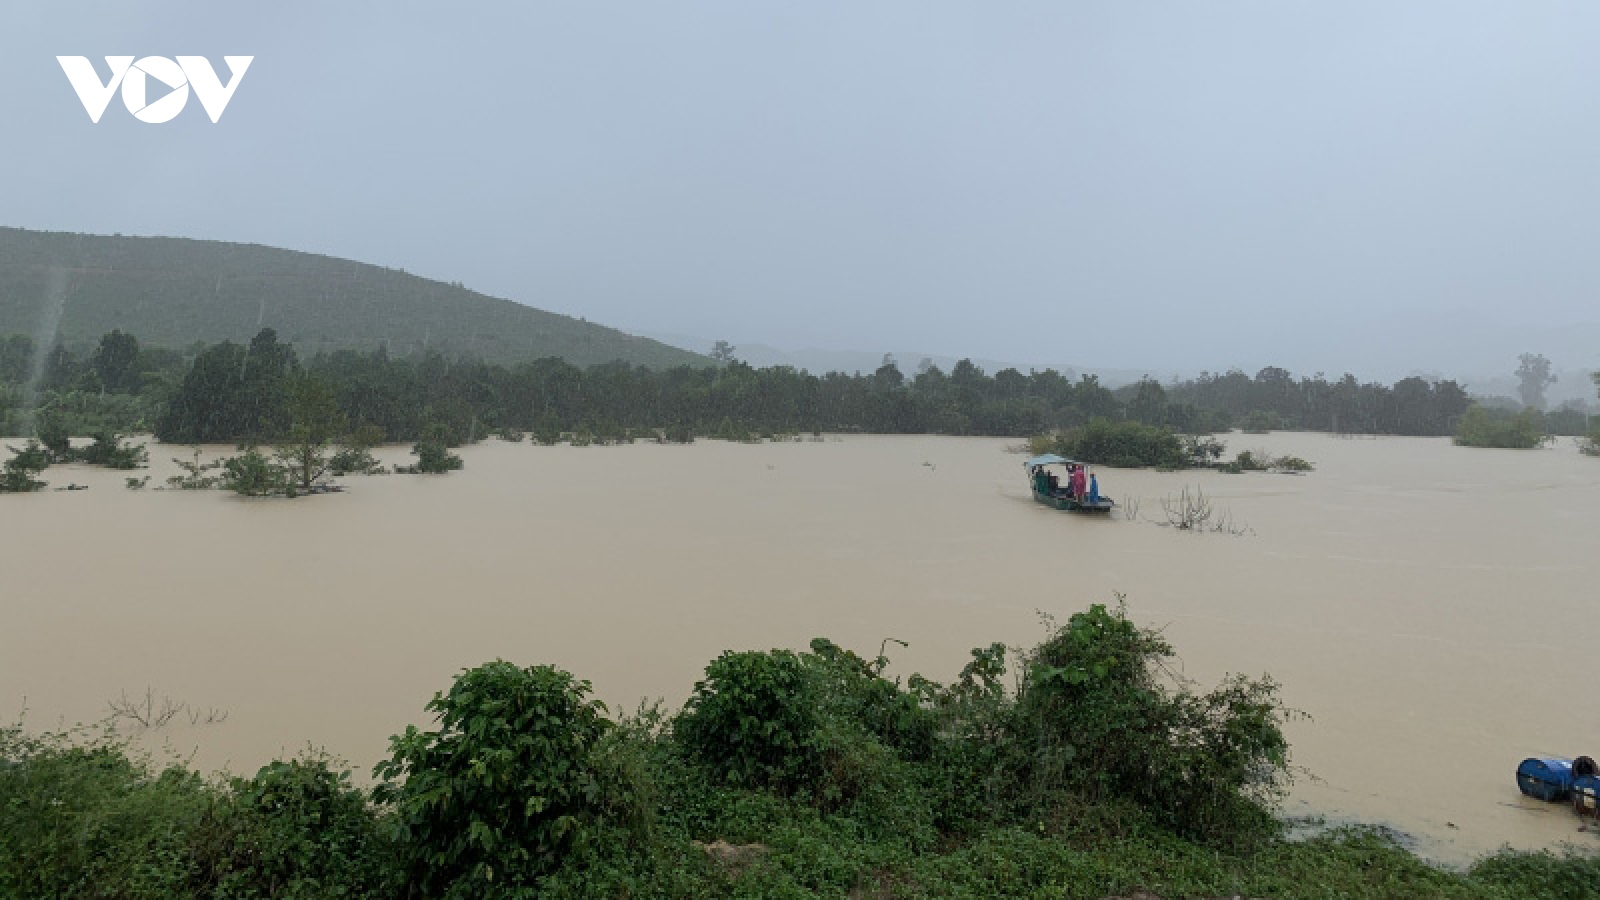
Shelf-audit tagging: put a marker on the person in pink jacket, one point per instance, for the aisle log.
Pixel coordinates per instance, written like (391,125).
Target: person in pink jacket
(1080,484)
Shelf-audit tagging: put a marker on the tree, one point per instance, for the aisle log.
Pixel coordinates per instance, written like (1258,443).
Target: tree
(254,475)
(1149,402)
(506,787)
(722,352)
(16,355)
(114,361)
(16,476)
(315,420)
(231,393)
(1534,375)
(1485,427)
(433,452)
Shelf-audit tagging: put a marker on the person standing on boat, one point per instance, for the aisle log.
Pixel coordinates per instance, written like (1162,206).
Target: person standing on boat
(1094,490)
(1079,484)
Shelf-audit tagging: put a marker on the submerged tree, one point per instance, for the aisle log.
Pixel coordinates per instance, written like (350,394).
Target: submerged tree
(17,475)
(252,474)
(315,420)
(1485,427)
(354,456)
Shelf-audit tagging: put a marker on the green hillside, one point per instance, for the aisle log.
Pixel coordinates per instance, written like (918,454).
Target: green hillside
(175,291)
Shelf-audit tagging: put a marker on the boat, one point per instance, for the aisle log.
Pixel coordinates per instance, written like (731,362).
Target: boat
(1061,498)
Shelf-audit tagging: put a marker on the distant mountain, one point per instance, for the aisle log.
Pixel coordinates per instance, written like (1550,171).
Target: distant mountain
(175,291)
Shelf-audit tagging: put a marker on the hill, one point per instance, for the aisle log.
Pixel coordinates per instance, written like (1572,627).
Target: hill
(175,291)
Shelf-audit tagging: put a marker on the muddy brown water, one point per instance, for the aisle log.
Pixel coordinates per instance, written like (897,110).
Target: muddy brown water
(1432,607)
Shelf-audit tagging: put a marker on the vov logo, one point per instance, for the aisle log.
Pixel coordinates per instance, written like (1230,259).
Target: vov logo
(134,78)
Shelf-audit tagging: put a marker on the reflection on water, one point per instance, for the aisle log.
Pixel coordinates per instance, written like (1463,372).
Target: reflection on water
(1426,604)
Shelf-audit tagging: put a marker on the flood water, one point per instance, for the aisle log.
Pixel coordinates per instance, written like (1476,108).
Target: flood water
(1429,606)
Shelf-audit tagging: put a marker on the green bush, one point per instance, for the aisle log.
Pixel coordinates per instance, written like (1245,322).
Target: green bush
(55,438)
(1202,450)
(354,456)
(1123,444)
(17,475)
(1292,464)
(1570,876)
(1247,461)
(508,785)
(298,829)
(1093,719)
(83,815)
(252,474)
(109,450)
(1485,427)
(755,720)
(854,690)
(80,817)
(434,458)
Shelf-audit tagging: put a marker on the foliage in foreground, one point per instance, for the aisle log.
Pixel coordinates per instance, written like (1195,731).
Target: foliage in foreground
(1095,773)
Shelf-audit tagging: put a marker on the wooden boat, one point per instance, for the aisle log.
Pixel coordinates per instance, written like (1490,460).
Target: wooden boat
(1062,498)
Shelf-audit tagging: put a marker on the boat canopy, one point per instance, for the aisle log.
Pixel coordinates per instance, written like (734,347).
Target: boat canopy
(1048,459)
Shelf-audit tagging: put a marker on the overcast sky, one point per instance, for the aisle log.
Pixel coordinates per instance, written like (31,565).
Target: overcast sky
(1374,186)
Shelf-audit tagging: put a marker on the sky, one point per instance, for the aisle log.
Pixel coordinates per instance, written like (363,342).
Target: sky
(1375,187)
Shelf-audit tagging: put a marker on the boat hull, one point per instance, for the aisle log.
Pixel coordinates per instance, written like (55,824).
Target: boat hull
(1068,504)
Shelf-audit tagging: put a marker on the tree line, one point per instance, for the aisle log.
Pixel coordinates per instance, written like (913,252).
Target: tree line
(229,392)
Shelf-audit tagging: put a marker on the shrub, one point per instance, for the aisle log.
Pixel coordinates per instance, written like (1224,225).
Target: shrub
(1124,444)
(109,450)
(1485,427)
(297,829)
(252,474)
(196,475)
(855,690)
(433,453)
(1292,464)
(1092,718)
(80,817)
(434,458)
(354,456)
(506,787)
(1541,874)
(55,439)
(1202,450)
(754,719)
(17,475)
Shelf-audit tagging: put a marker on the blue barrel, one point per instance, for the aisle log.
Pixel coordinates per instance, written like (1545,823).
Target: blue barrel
(1547,778)
(1586,795)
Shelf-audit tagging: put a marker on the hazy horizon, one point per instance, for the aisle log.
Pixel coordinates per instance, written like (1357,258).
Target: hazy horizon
(1361,188)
